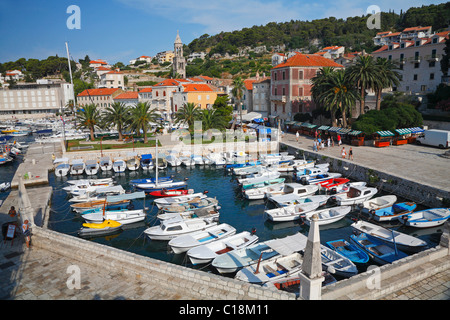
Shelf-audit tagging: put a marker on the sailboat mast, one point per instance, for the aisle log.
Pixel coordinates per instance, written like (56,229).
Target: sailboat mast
(156,163)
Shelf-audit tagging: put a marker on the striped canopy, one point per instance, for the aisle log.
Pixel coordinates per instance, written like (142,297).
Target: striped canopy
(385,133)
(344,131)
(403,131)
(354,133)
(334,129)
(308,125)
(416,130)
(323,128)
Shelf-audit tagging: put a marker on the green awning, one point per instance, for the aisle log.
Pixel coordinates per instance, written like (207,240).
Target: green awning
(344,131)
(308,125)
(385,133)
(403,131)
(323,128)
(334,129)
(354,133)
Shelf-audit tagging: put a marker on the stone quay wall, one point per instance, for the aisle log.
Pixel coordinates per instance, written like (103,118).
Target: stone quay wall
(178,278)
(412,190)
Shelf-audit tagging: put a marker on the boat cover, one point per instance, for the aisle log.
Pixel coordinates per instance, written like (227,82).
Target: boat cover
(126,196)
(110,189)
(61,160)
(288,245)
(146,156)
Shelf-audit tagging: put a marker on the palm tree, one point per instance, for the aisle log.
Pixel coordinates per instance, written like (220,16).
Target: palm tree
(343,93)
(321,85)
(141,115)
(187,114)
(89,117)
(387,77)
(211,119)
(119,114)
(238,92)
(364,73)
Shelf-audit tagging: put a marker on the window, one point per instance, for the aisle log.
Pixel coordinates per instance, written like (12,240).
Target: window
(416,55)
(284,108)
(275,75)
(435,40)
(300,92)
(284,91)
(433,53)
(402,57)
(431,76)
(402,45)
(401,66)
(275,92)
(431,64)
(423,88)
(416,65)
(390,57)
(415,77)
(418,43)
(300,74)
(284,75)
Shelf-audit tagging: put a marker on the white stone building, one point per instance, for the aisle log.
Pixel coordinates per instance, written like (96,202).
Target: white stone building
(112,79)
(418,60)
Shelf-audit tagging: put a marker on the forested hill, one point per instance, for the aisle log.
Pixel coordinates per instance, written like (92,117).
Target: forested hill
(351,32)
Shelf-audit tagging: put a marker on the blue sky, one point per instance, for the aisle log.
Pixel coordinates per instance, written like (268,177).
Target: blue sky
(120,30)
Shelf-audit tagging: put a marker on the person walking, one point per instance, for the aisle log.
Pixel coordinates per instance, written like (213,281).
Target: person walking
(297,135)
(315,145)
(328,142)
(27,232)
(343,153)
(350,154)
(339,139)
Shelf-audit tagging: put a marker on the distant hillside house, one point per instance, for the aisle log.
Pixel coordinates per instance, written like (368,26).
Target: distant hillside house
(202,95)
(388,37)
(145,95)
(112,79)
(98,63)
(291,85)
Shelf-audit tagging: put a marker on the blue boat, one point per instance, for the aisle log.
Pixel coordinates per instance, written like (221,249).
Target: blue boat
(393,212)
(377,250)
(348,250)
(146,162)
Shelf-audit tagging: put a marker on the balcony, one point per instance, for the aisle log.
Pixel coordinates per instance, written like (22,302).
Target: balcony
(433,57)
(415,59)
(278,98)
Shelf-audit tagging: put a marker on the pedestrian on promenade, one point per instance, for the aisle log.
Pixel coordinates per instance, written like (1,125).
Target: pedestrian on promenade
(343,153)
(332,142)
(339,139)
(12,212)
(328,142)
(315,145)
(323,145)
(27,232)
(297,135)
(319,143)
(350,153)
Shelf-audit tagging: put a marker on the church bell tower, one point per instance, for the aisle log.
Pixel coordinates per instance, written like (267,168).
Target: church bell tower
(179,62)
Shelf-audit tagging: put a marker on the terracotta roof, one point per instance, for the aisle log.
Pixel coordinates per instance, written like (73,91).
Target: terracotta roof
(127,95)
(443,33)
(391,34)
(308,60)
(206,77)
(170,83)
(383,48)
(249,83)
(200,87)
(101,68)
(115,72)
(416,29)
(384,32)
(146,90)
(331,48)
(97,62)
(98,92)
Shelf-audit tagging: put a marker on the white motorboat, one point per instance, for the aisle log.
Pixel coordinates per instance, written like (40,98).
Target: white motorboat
(197,159)
(91,167)
(93,182)
(294,189)
(5,186)
(186,159)
(205,203)
(293,165)
(288,200)
(77,167)
(290,213)
(205,253)
(328,215)
(426,218)
(160,202)
(172,228)
(264,173)
(132,161)
(62,167)
(105,164)
(378,203)
(99,194)
(185,242)
(160,162)
(216,159)
(276,158)
(119,165)
(249,170)
(210,214)
(271,269)
(292,192)
(124,216)
(314,175)
(404,242)
(354,195)
(173,160)
(261,193)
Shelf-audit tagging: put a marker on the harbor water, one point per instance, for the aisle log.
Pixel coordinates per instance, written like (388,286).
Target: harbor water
(242,214)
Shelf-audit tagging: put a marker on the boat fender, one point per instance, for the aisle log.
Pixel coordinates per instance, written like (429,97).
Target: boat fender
(186,179)
(333,191)
(253,230)
(405,218)
(372,212)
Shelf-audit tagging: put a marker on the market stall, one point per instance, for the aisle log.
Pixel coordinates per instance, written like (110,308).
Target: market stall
(356,137)
(382,138)
(401,137)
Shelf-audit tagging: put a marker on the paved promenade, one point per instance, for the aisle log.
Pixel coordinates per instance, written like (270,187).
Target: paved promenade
(36,274)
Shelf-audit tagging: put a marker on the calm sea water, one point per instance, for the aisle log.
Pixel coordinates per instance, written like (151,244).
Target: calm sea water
(235,210)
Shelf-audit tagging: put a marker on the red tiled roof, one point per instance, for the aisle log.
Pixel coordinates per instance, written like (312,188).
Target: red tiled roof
(114,72)
(416,29)
(391,34)
(249,83)
(200,87)
(101,68)
(383,48)
(170,83)
(443,33)
(308,60)
(98,92)
(127,95)
(146,90)
(97,62)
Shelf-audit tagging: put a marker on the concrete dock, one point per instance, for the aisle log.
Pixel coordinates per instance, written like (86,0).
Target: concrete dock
(42,272)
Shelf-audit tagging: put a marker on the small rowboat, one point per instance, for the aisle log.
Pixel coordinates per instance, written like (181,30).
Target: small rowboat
(98,229)
(426,218)
(170,193)
(349,250)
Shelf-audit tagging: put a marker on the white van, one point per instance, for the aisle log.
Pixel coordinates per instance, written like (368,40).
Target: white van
(437,138)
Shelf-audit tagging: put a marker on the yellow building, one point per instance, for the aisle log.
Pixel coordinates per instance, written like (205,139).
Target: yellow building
(202,95)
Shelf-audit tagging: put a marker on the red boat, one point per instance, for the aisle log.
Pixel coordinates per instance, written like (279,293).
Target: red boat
(332,183)
(171,193)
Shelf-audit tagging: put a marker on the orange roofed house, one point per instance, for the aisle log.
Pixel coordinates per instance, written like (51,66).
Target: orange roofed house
(103,97)
(201,94)
(291,85)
